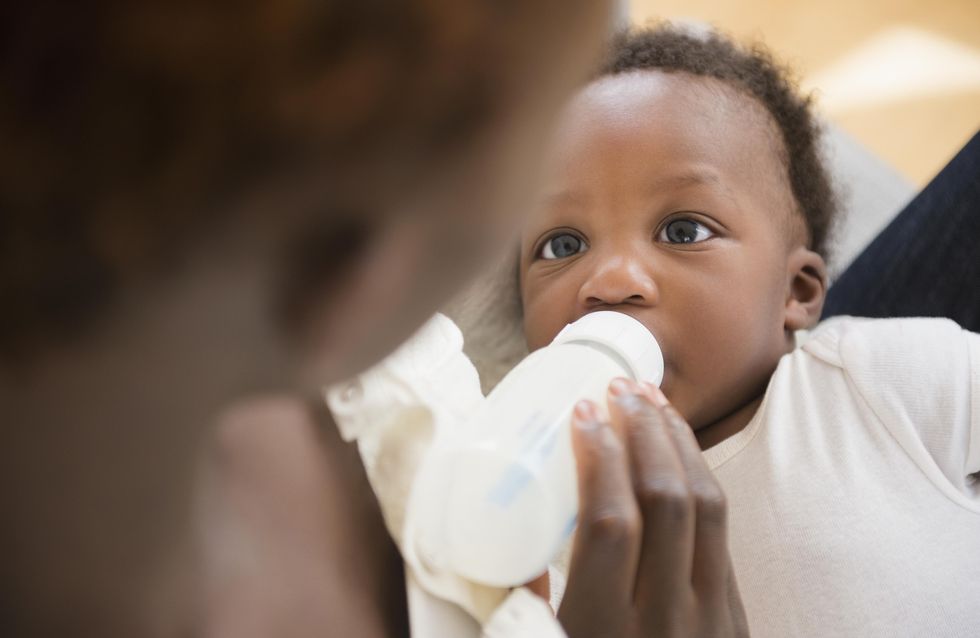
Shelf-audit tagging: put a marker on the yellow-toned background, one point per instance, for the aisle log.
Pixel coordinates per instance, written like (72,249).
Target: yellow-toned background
(902,76)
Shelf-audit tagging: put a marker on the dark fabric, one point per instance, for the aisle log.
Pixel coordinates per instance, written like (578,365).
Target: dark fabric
(926,263)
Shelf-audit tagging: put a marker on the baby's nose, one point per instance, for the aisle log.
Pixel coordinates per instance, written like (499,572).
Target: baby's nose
(618,281)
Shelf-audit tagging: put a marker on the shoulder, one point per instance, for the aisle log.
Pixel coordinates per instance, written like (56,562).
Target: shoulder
(856,343)
(919,364)
(920,378)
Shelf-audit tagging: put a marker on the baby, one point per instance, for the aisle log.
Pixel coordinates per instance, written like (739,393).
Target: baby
(833,480)
(685,189)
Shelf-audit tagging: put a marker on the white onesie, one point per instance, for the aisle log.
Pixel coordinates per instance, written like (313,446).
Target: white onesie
(854,505)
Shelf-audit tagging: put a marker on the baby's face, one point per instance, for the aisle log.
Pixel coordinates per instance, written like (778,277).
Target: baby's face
(666,199)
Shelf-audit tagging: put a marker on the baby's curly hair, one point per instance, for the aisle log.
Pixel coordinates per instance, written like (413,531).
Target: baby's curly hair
(751,71)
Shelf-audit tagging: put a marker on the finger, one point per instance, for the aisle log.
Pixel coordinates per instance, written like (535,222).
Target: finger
(600,578)
(710,568)
(660,486)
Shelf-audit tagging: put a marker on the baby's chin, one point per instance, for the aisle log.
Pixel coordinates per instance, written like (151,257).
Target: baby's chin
(713,424)
(684,401)
(694,401)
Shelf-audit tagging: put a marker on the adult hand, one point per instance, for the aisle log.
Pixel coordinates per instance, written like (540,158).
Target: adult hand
(651,553)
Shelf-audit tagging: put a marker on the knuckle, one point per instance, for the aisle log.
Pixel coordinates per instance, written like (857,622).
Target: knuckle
(641,424)
(674,418)
(666,496)
(712,505)
(610,446)
(613,527)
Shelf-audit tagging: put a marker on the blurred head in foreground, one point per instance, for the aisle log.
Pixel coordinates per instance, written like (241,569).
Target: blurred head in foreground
(203,200)
(322,173)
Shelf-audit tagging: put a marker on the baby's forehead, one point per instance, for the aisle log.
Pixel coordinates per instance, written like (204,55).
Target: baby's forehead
(651,123)
(670,106)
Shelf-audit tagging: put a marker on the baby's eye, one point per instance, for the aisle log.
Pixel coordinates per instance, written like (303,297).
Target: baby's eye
(563,245)
(685,231)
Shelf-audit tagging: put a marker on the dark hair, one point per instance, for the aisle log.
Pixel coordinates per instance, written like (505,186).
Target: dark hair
(751,71)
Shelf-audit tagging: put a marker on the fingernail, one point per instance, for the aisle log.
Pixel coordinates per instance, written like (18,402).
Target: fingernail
(620,388)
(656,395)
(585,416)
(585,410)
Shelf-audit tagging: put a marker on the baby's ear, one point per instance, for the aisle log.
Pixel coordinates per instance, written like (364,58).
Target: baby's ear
(806,289)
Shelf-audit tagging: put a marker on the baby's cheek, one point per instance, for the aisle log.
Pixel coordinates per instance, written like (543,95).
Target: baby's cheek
(540,324)
(719,371)
(549,304)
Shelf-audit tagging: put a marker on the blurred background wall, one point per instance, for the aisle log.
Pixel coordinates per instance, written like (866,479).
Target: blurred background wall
(901,76)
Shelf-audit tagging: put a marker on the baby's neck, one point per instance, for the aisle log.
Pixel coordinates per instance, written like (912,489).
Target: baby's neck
(728,426)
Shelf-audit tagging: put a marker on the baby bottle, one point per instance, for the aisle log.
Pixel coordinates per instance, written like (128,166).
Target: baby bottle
(496,503)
